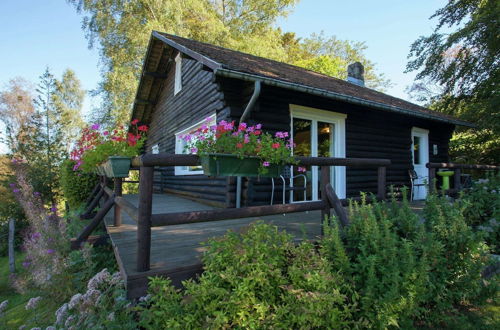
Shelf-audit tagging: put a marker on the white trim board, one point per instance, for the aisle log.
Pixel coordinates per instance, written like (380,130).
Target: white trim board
(339,147)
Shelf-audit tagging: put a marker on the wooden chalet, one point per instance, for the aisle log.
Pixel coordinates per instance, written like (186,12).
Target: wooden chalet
(185,81)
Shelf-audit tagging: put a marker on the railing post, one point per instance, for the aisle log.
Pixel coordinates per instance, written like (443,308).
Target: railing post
(381,182)
(144,221)
(118,193)
(457,184)
(324,181)
(104,184)
(432,178)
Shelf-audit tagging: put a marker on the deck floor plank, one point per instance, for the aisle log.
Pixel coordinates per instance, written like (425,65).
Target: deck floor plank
(178,249)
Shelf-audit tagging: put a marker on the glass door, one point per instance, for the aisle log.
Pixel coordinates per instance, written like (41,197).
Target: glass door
(316,139)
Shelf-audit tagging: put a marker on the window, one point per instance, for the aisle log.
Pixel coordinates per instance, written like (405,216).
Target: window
(178,74)
(180,145)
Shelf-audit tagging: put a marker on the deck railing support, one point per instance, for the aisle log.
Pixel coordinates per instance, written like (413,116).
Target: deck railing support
(381,182)
(324,181)
(118,193)
(457,183)
(144,221)
(95,202)
(432,179)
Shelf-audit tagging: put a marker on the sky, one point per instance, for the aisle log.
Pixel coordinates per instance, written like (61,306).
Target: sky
(35,34)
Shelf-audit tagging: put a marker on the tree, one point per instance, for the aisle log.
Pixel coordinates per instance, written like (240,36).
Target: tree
(331,56)
(465,65)
(122,29)
(48,148)
(68,99)
(16,110)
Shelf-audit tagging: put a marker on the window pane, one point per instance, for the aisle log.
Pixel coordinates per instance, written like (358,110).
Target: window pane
(325,147)
(302,138)
(416,150)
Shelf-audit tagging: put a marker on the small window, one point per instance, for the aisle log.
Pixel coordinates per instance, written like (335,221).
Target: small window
(155,149)
(178,74)
(180,145)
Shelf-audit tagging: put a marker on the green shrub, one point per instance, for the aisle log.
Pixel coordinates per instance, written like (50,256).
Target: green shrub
(76,185)
(482,209)
(389,268)
(257,279)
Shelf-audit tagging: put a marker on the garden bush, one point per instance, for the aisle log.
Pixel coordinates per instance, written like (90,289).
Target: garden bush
(482,209)
(76,185)
(389,268)
(257,279)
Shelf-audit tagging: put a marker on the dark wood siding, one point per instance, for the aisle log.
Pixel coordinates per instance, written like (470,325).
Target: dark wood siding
(199,98)
(369,134)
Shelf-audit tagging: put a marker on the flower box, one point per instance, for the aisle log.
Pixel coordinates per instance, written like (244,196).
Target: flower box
(100,170)
(232,165)
(117,166)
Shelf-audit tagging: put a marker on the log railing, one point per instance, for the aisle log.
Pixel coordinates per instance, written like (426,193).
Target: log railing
(457,184)
(145,219)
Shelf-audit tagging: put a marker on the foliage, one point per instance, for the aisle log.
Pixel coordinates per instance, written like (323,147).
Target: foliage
(457,256)
(464,63)
(121,31)
(76,186)
(68,100)
(482,209)
(388,268)
(257,279)
(242,141)
(45,243)
(331,56)
(16,109)
(94,146)
(9,208)
(102,306)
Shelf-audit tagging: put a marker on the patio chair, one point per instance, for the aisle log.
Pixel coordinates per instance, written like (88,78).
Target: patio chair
(287,175)
(413,177)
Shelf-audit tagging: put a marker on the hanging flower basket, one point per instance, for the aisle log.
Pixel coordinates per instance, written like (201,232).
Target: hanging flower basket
(232,165)
(117,167)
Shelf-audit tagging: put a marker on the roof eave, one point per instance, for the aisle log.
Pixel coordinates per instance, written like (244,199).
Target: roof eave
(333,95)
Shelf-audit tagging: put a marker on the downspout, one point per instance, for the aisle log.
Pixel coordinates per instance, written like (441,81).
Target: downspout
(244,116)
(251,103)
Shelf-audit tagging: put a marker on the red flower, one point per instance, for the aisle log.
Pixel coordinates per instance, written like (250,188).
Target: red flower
(257,132)
(239,145)
(276,145)
(135,121)
(143,128)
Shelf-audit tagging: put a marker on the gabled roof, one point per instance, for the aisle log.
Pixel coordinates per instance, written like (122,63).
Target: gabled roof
(236,64)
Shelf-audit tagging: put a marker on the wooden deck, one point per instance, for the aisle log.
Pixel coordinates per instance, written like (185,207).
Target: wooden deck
(176,250)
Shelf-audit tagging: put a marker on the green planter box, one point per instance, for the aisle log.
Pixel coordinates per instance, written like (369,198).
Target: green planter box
(117,167)
(231,165)
(100,170)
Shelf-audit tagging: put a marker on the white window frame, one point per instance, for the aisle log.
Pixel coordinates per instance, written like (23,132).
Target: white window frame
(180,144)
(339,147)
(178,74)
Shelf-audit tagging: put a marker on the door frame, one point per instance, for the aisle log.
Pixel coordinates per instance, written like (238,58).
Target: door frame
(424,155)
(339,146)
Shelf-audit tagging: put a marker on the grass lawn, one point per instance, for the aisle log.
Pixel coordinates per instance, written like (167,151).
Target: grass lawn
(16,314)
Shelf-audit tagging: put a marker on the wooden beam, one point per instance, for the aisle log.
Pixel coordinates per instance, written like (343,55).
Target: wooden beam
(324,181)
(144,218)
(166,159)
(168,219)
(457,183)
(118,193)
(92,194)
(94,240)
(128,207)
(336,204)
(108,191)
(158,75)
(432,178)
(462,166)
(95,222)
(93,204)
(142,102)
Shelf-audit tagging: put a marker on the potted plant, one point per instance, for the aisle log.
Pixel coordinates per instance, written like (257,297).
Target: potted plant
(229,150)
(108,153)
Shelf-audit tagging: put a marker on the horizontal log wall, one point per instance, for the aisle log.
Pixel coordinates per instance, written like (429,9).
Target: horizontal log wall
(199,98)
(369,134)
